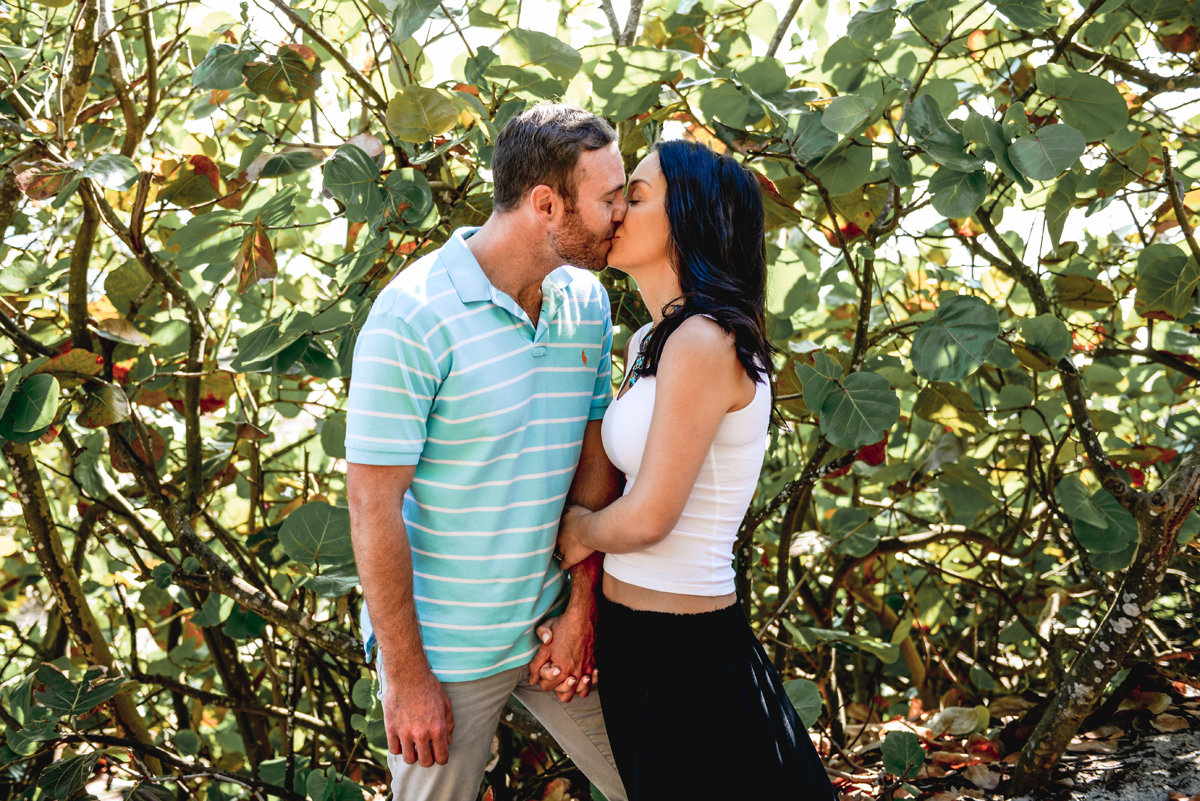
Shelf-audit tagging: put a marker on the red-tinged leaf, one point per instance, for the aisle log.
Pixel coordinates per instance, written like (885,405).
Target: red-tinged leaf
(194,182)
(215,391)
(50,435)
(235,189)
(218,96)
(248,431)
(1136,477)
(875,454)
(41,179)
(203,165)
(73,367)
(104,406)
(293,75)
(255,260)
(771,191)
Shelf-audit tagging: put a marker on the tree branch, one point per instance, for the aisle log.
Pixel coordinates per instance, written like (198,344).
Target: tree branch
(784,22)
(1177,204)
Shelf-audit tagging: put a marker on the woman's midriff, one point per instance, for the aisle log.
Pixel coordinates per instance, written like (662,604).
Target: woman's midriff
(647,600)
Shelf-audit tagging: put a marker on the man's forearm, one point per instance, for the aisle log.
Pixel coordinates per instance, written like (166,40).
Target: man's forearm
(385,570)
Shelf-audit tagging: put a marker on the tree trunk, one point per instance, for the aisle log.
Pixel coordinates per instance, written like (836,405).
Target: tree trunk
(1160,516)
(64,582)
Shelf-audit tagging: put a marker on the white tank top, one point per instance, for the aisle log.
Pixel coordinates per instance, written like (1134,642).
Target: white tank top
(696,557)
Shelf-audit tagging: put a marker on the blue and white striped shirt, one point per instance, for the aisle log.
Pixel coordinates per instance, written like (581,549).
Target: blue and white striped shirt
(450,375)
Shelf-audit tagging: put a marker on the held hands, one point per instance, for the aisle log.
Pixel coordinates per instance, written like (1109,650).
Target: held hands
(418,719)
(564,662)
(570,548)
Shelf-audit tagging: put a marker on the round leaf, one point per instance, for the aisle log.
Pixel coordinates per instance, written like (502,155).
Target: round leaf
(352,177)
(806,697)
(844,170)
(1046,335)
(859,411)
(846,113)
(222,67)
(853,532)
(416,114)
(957,194)
(902,754)
(1089,104)
(32,407)
(1047,152)
(1120,532)
(317,532)
(104,406)
(955,341)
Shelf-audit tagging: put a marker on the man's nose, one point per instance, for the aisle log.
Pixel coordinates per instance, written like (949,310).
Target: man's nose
(620,206)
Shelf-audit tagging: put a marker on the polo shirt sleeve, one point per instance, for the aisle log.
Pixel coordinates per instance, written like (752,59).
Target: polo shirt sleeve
(392,386)
(602,393)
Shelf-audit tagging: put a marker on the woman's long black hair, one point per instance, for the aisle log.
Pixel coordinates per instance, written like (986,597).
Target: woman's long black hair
(715,210)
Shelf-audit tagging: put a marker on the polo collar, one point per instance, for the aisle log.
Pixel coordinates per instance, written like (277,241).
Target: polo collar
(463,269)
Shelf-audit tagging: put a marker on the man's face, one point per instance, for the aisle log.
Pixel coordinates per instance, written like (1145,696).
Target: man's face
(583,237)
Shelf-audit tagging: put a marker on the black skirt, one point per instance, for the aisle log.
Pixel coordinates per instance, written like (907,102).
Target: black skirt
(695,711)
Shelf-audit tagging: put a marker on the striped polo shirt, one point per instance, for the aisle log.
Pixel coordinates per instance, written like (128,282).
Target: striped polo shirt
(450,375)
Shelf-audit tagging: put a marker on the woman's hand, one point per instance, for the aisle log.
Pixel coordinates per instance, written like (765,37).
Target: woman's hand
(571,549)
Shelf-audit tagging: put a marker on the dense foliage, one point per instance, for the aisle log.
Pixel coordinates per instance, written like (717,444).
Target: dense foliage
(984,278)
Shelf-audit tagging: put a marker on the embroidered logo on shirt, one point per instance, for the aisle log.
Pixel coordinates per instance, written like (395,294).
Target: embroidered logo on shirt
(583,354)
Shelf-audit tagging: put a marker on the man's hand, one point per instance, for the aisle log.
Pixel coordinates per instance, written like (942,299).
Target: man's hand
(418,719)
(564,661)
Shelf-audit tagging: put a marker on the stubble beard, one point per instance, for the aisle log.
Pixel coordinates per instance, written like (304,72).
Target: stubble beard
(574,244)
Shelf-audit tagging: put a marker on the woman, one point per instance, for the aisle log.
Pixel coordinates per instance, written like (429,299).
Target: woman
(693,708)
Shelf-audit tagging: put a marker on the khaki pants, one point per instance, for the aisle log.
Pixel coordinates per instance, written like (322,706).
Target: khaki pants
(578,727)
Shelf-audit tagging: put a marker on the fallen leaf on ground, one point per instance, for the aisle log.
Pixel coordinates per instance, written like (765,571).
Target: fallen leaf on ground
(1165,722)
(1093,746)
(955,720)
(1009,706)
(1156,702)
(983,748)
(981,777)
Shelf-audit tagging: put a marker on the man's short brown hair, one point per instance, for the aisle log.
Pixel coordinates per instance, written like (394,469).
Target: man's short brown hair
(541,146)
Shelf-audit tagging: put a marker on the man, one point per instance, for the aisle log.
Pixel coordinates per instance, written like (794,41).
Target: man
(480,380)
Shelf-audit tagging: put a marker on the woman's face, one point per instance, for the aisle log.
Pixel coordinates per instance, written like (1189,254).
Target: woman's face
(643,239)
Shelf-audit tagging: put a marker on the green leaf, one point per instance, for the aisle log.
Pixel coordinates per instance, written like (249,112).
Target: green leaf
(222,67)
(1119,533)
(113,172)
(293,75)
(162,575)
(105,406)
(818,380)
(1167,280)
(1059,205)
(993,136)
(1091,105)
(845,113)
(32,407)
(1076,501)
(947,405)
(964,490)
(407,199)
(352,177)
(244,624)
(187,742)
(626,81)
(937,137)
(317,533)
(407,17)
(873,25)
(955,341)
(844,170)
(272,338)
(1030,15)
(363,694)
(318,786)
(853,531)
(68,776)
(335,581)
(1047,335)
(901,169)
(290,163)
(1045,153)
(806,697)
(957,194)
(809,138)
(66,697)
(859,411)
(525,49)
(417,114)
(214,611)
(903,755)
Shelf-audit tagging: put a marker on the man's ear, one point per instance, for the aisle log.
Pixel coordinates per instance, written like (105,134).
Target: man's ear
(545,203)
